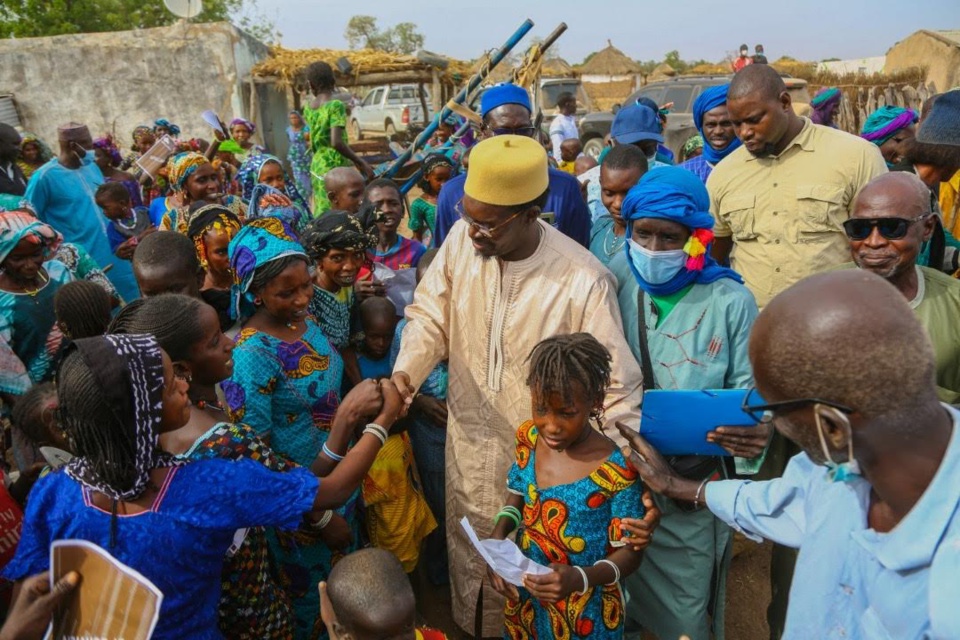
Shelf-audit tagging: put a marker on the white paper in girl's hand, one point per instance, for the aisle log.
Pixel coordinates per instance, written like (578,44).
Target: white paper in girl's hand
(213,120)
(504,557)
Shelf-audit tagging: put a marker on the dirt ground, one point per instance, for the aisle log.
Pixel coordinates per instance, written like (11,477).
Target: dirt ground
(748,593)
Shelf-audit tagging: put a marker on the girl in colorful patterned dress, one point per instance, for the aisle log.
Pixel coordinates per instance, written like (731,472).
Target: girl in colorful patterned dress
(573,486)
(298,155)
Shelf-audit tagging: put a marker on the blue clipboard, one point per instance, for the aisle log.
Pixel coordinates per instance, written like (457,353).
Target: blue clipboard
(676,422)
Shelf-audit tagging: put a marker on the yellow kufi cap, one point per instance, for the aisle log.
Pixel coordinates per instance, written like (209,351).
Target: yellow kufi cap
(507,171)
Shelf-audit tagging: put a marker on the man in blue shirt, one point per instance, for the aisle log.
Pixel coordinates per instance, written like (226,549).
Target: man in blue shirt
(62,193)
(871,502)
(505,109)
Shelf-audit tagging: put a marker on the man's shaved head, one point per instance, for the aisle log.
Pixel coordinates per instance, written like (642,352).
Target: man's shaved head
(758,79)
(370,594)
(847,337)
(906,193)
(344,187)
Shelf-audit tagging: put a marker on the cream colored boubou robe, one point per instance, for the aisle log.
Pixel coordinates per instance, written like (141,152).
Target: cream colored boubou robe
(485,316)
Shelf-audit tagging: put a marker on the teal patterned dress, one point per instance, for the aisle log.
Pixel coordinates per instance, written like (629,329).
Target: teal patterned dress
(574,524)
(289,392)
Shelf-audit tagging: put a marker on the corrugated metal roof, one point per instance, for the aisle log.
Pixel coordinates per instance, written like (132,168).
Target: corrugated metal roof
(8,110)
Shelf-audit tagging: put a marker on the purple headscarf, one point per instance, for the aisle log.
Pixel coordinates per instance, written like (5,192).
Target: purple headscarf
(249,125)
(823,103)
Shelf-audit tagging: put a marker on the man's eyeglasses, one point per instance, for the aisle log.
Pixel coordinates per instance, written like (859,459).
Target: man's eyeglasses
(889,228)
(526,132)
(484,230)
(762,413)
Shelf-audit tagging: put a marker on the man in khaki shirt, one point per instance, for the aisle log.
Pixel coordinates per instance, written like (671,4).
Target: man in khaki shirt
(781,199)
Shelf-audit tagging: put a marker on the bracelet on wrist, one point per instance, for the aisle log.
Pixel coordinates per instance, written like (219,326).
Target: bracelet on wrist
(336,457)
(586,583)
(696,498)
(613,565)
(323,521)
(378,431)
(509,512)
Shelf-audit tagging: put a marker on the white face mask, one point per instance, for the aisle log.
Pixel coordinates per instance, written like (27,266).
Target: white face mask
(656,267)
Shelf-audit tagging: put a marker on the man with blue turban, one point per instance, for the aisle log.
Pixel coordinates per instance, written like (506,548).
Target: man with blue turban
(692,334)
(505,109)
(712,120)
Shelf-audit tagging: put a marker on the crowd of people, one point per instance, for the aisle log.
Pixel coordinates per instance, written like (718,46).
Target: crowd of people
(236,372)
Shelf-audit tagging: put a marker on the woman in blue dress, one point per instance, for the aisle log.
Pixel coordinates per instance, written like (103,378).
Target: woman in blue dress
(299,156)
(286,384)
(169,520)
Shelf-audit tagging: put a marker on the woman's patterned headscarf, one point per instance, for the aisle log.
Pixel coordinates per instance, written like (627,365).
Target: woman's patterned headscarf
(182,166)
(128,370)
(139,132)
(249,177)
(108,146)
(17,225)
(209,217)
(249,125)
(259,242)
(267,202)
(336,230)
(166,124)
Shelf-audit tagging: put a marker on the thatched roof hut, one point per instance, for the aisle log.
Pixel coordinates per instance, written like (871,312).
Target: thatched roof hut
(608,65)
(367,67)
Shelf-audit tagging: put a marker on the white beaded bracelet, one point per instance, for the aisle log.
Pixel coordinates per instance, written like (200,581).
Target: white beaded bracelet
(583,574)
(323,521)
(377,430)
(616,569)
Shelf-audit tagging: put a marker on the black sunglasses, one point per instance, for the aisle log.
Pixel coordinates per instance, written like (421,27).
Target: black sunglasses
(526,132)
(889,228)
(764,412)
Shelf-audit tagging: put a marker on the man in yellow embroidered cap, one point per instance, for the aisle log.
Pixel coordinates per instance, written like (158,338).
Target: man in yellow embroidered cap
(503,281)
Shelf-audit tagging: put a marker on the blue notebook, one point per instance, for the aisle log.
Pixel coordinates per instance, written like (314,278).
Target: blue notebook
(676,422)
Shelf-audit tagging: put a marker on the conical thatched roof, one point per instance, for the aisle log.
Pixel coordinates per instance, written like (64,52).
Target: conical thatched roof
(609,62)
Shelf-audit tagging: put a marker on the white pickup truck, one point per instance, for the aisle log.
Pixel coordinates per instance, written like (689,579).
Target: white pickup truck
(388,110)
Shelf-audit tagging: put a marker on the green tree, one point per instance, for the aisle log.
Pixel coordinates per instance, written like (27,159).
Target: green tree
(362,32)
(33,18)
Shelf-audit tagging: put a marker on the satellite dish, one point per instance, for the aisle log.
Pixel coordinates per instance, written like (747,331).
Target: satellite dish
(186,9)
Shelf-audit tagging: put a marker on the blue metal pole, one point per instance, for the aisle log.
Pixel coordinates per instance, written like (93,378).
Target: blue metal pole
(474,82)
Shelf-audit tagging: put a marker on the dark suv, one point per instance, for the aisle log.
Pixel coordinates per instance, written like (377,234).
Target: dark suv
(681,91)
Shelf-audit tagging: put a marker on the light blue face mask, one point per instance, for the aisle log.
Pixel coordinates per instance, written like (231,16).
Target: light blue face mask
(837,471)
(656,267)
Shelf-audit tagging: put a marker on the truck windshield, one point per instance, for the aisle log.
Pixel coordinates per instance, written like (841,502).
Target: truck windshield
(550,92)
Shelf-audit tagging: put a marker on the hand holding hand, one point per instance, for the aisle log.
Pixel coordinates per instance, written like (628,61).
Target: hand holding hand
(337,534)
(393,405)
(363,402)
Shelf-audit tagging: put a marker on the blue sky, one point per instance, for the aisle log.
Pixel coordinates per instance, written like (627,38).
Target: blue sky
(643,29)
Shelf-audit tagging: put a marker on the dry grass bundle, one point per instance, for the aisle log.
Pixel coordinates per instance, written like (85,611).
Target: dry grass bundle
(289,64)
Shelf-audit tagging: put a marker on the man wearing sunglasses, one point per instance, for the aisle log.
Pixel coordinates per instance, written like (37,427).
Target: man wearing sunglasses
(503,281)
(890,221)
(872,503)
(505,109)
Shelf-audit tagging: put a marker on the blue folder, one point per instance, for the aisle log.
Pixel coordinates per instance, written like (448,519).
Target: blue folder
(676,422)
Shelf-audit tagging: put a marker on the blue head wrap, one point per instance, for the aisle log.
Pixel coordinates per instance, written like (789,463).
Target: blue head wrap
(249,177)
(501,94)
(258,242)
(166,124)
(711,99)
(677,195)
(267,202)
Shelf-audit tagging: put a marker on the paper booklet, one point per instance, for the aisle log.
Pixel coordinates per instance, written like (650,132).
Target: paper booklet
(113,601)
(504,557)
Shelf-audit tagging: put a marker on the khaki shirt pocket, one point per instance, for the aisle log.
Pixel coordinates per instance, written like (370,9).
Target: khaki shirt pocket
(739,212)
(820,210)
